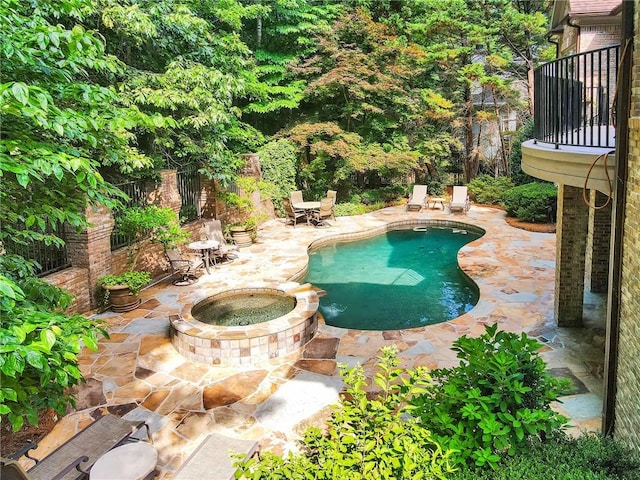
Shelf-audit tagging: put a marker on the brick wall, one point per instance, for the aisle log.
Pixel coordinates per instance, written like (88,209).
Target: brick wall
(572,227)
(593,37)
(91,255)
(627,401)
(599,242)
(90,250)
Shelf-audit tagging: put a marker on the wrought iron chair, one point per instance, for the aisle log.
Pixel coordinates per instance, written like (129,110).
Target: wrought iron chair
(183,267)
(293,215)
(326,211)
(225,252)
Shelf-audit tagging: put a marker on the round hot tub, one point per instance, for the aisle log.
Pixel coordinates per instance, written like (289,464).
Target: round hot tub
(241,309)
(246,326)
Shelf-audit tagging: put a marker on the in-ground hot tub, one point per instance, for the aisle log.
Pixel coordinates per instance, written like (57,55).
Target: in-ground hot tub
(253,337)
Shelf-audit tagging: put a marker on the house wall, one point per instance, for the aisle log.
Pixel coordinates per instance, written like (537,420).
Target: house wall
(627,402)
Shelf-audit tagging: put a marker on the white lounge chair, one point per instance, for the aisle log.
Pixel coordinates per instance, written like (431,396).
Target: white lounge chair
(418,198)
(459,199)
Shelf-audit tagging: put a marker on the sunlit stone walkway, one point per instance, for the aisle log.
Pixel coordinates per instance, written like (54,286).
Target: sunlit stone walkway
(138,374)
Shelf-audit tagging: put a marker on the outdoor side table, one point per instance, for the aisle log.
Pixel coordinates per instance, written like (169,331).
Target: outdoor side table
(131,461)
(205,247)
(436,200)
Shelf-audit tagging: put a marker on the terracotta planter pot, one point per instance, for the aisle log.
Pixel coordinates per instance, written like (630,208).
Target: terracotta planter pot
(242,238)
(121,298)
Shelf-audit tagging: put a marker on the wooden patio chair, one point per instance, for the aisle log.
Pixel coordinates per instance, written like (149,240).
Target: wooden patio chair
(77,455)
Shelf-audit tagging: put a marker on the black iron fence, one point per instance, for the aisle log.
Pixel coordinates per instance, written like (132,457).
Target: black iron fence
(573,99)
(49,258)
(189,188)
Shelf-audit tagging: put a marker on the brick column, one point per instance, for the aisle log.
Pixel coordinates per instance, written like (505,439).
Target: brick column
(208,203)
(599,243)
(573,223)
(91,249)
(167,193)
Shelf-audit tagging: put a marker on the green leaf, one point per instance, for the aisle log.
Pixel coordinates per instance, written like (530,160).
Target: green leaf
(20,92)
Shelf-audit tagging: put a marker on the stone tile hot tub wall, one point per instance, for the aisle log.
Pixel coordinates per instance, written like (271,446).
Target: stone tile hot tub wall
(249,344)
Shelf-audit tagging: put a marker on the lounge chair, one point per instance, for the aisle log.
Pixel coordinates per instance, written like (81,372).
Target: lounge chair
(459,199)
(211,459)
(225,251)
(293,215)
(184,268)
(418,198)
(325,211)
(77,455)
(296,197)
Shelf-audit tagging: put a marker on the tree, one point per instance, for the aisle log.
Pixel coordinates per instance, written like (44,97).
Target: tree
(60,124)
(480,46)
(186,64)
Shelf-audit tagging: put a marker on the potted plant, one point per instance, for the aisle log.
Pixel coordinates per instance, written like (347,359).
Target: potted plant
(244,231)
(141,226)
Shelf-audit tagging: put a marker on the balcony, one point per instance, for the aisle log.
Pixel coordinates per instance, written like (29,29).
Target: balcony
(574,129)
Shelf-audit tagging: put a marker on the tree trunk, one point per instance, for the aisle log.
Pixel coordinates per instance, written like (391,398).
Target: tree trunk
(468,135)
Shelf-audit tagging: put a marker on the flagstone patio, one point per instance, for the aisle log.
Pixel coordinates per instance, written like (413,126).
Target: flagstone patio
(138,374)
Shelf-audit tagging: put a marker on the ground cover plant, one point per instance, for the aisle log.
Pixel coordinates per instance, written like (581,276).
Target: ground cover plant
(589,457)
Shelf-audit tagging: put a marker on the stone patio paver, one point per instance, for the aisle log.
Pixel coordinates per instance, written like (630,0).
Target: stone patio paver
(138,371)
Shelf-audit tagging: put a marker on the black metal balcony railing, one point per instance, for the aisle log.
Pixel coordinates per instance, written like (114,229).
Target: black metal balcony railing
(573,99)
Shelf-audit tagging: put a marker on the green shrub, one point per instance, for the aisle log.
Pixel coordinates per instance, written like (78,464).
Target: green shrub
(495,402)
(589,457)
(489,190)
(385,195)
(278,164)
(348,209)
(532,202)
(369,435)
(524,133)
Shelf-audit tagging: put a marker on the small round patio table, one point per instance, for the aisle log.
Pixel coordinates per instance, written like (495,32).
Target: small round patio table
(131,461)
(205,247)
(308,208)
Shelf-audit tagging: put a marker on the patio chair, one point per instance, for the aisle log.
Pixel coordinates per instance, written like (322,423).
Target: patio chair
(225,252)
(293,215)
(183,267)
(459,199)
(418,198)
(326,211)
(77,455)
(296,197)
(211,459)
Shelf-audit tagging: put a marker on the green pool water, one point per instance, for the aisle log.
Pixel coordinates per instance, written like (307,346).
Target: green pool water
(400,279)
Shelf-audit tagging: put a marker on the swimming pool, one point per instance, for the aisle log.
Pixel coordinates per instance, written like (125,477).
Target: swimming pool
(398,279)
